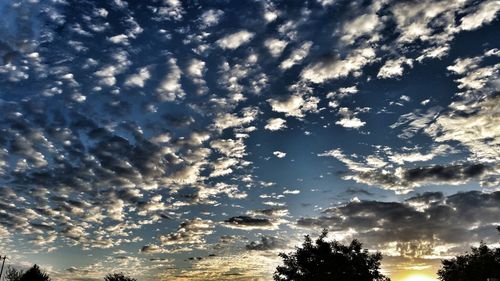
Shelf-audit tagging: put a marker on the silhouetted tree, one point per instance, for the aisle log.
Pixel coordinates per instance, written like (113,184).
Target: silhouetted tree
(480,264)
(35,274)
(329,261)
(118,277)
(13,274)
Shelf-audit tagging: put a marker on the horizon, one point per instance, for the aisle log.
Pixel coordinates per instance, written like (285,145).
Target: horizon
(195,140)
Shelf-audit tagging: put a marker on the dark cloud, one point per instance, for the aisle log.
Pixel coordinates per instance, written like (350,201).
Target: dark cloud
(249,222)
(266,243)
(440,173)
(419,224)
(409,178)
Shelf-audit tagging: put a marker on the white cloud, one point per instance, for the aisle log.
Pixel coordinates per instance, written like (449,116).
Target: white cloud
(479,132)
(229,147)
(296,56)
(360,26)
(290,106)
(229,120)
(349,120)
(138,80)
(279,154)
(196,68)
(172,9)
(235,40)
(337,68)
(170,88)
(119,39)
(275,46)
(485,13)
(352,122)
(107,73)
(222,166)
(211,17)
(192,231)
(270,16)
(275,124)
(393,68)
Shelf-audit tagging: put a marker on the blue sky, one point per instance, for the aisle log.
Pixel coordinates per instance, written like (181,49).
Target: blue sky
(194,140)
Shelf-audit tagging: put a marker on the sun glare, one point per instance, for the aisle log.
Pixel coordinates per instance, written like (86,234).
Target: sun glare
(419,278)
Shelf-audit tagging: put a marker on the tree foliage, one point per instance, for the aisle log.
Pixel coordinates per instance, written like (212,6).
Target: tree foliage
(480,264)
(118,277)
(35,274)
(13,274)
(329,261)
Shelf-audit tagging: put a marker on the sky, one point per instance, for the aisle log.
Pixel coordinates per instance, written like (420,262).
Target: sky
(195,140)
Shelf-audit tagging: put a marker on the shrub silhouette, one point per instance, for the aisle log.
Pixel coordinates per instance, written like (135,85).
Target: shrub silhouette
(35,274)
(480,264)
(13,274)
(329,261)
(118,277)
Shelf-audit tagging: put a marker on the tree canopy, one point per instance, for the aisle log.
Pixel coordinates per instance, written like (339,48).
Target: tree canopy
(35,274)
(329,261)
(13,274)
(482,263)
(118,277)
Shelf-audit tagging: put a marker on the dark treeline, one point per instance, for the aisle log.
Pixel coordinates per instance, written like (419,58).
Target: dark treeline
(36,274)
(332,261)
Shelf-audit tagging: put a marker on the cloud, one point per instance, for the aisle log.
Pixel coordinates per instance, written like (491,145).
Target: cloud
(191,231)
(211,17)
(352,122)
(138,80)
(235,40)
(230,120)
(275,46)
(170,88)
(196,70)
(266,243)
(290,106)
(294,105)
(485,13)
(362,25)
(393,68)
(152,249)
(403,180)
(469,120)
(279,154)
(250,265)
(107,73)
(249,223)
(171,9)
(297,56)
(275,124)
(349,120)
(229,147)
(334,68)
(119,39)
(428,225)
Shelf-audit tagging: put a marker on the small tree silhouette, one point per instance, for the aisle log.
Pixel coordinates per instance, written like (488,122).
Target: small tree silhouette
(118,277)
(35,274)
(13,274)
(480,264)
(329,261)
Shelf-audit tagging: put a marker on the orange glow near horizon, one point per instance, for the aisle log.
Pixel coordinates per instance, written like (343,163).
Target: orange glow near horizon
(414,275)
(419,277)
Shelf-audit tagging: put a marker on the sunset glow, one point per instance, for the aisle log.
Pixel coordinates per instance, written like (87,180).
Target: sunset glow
(419,278)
